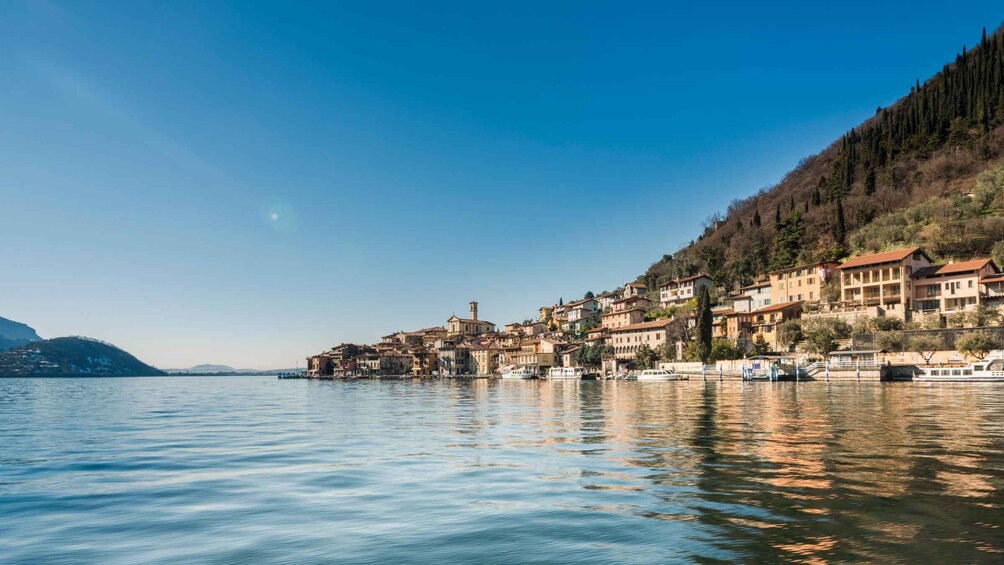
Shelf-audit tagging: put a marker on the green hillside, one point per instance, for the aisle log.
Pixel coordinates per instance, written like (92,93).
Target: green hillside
(72,356)
(915,165)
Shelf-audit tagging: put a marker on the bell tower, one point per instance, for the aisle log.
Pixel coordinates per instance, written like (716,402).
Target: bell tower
(474,310)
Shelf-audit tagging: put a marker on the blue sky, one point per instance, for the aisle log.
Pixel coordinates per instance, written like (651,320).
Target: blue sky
(248,183)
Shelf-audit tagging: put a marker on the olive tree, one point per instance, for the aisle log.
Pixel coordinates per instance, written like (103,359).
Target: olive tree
(977,344)
(926,345)
(821,334)
(789,333)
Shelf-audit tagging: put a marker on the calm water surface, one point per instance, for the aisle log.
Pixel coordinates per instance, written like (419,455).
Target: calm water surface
(256,470)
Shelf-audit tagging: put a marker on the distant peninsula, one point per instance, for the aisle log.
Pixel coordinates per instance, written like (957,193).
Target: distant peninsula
(72,357)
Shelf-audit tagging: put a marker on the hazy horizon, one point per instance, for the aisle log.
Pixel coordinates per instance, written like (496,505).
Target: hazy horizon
(238,185)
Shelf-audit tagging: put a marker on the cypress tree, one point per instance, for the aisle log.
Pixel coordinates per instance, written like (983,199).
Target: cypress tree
(870,181)
(840,230)
(704,323)
(756,218)
(777,217)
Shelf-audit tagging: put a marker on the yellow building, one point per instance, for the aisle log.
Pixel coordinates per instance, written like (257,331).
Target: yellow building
(625,312)
(486,358)
(626,340)
(804,282)
(882,280)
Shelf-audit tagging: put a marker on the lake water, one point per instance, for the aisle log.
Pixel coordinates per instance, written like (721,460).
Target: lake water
(257,470)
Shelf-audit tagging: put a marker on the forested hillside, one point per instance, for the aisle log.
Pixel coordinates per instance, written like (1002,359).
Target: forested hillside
(913,168)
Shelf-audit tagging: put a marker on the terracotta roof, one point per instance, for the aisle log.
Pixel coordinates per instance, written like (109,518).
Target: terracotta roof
(636,285)
(599,329)
(776,307)
(470,321)
(631,299)
(953,268)
(760,284)
(887,257)
(643,326)
(797,267)
(993,278)
(619,312)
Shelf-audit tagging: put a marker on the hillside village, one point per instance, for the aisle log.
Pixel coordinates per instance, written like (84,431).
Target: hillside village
(808,311)
(855,264)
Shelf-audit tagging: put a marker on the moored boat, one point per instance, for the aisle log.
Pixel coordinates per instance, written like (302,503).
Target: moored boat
(566,373)
(989,370)
(523,373)
(660,375)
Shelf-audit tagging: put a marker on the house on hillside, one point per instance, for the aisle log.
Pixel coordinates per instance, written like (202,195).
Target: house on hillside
(679,291)
(801,283)
(625,312)
(880,284)
(951,288)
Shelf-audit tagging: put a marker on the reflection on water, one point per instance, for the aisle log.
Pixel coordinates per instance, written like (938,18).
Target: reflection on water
(259,470)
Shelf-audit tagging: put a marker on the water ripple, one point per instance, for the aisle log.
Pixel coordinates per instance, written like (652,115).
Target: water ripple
(169,470)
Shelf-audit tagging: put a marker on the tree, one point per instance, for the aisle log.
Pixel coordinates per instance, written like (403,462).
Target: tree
(760,345)
(589,294)
(984,316)
(666,352)
(789,332)
(870,182)
(644,357)
(891,341)
(840,229)
(925,345)
(704,328)
(977,344)
(696,351)
(561,301)
(723,349)
(821,334)
(956,320)
(589,355)
(788,241)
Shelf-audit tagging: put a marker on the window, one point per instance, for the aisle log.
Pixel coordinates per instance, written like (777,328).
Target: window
(810,295)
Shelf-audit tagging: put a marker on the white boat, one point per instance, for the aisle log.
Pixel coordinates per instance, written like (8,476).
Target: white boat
(660,375)
(520,373)
(988,370)
(574,373)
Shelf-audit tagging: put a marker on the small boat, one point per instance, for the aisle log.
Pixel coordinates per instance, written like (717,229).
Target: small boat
(989,370)
(660,375)
(520,373)
(573,373)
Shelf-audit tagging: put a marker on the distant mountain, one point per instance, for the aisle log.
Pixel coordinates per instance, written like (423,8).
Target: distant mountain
(205,368)
(15,334)
(72,357)
(210,369)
